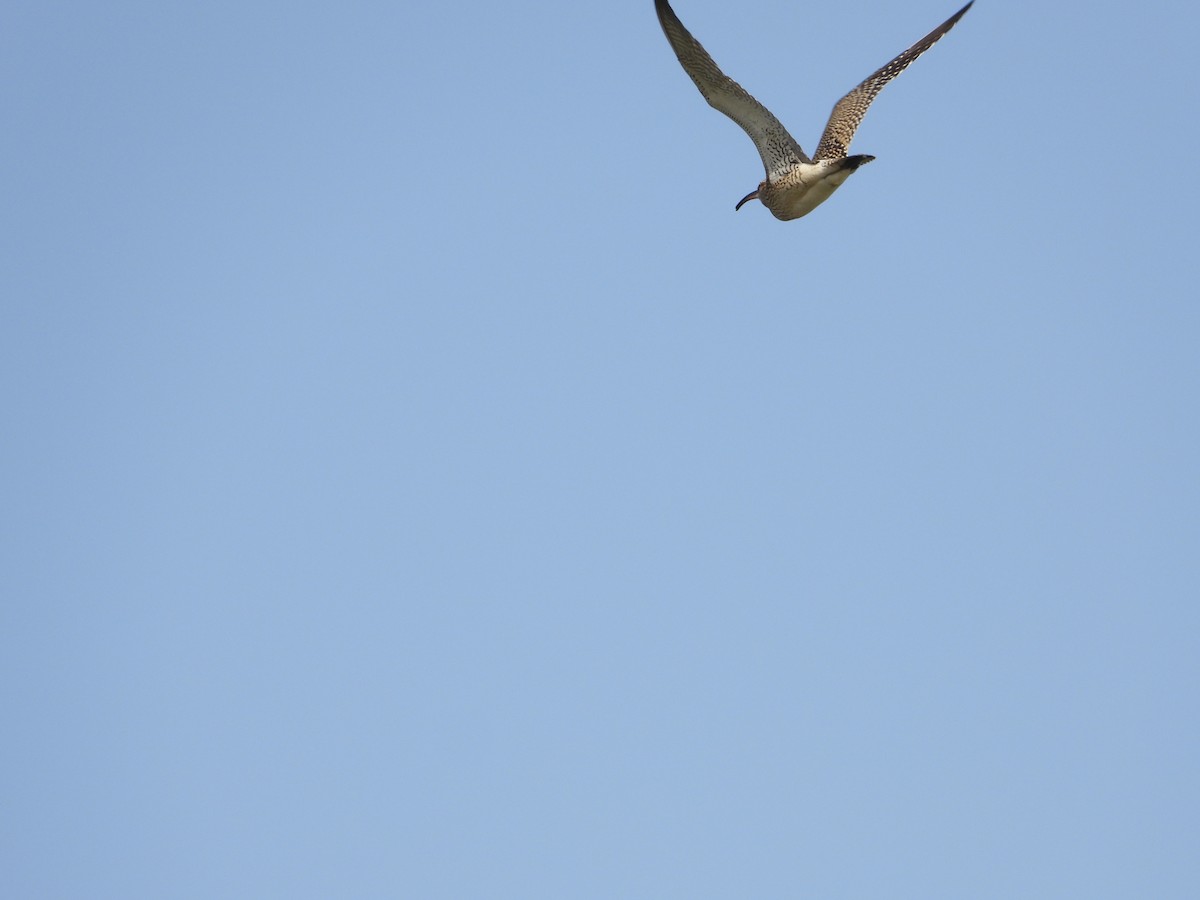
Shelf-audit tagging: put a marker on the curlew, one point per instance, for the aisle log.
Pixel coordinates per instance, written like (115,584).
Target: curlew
(795,185)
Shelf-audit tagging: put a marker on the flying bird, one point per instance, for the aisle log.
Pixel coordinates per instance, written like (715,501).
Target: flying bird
(795,184)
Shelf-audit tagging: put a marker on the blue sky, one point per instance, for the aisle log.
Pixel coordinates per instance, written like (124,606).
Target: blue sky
(419,482)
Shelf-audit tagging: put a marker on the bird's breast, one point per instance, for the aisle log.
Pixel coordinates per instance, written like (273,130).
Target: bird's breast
(802,190)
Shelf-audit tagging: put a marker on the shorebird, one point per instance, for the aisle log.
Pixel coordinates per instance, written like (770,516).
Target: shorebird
(795,185)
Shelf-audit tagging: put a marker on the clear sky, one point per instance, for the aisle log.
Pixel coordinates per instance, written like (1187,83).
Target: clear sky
(417,481)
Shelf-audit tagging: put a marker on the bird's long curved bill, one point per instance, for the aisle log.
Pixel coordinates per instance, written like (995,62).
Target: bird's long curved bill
(753,195)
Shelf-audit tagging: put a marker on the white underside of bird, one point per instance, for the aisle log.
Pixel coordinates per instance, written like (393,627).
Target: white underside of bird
(805,187)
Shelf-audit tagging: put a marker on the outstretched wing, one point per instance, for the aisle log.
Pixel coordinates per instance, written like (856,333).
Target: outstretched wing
(848,114)
(778,149)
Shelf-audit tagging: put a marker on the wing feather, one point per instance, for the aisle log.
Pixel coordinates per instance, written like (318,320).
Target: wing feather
(778,149)
(848,114)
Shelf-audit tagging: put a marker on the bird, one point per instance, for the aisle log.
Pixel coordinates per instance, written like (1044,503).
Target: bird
(795,184)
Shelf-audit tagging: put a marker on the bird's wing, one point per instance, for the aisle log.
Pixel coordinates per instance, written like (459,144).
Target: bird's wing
(778,149)
(848,114)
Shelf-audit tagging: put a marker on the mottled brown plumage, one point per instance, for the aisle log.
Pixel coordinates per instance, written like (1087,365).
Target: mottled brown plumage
(795,184)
